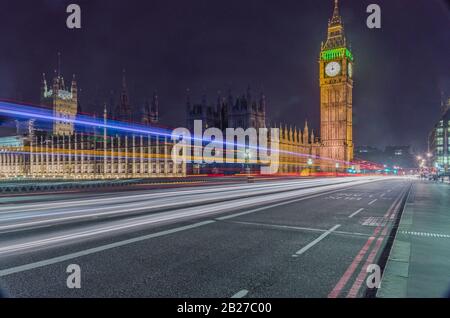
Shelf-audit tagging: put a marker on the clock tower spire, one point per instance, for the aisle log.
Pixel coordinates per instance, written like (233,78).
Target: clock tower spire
(336,89)
(335,35)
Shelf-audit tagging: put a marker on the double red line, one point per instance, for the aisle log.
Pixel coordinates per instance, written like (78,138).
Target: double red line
(378,236)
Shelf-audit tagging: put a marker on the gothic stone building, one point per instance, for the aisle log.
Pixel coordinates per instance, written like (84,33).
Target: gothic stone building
(334,148)
(300,151)
(65,153)
(228,111)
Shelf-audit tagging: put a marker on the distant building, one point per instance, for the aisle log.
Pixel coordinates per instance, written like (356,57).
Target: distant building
(70,152)
(63,100)
(439,143)
(366,150)
(401,156)
(392,156)
(228,112)
(123,109)
(369,154)
(150,111)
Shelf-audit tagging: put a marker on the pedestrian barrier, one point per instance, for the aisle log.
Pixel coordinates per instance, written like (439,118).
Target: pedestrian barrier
(24,186)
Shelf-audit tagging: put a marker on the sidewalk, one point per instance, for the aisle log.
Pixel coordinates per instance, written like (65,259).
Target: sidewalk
(419,262)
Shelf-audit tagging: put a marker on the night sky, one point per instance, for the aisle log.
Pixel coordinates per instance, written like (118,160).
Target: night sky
(211,45)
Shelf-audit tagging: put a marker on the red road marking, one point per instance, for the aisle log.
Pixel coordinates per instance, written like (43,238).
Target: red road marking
(363,273)
(357,260)
(349,272)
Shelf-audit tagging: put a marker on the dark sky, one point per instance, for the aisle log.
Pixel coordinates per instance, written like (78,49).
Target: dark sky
(273,45)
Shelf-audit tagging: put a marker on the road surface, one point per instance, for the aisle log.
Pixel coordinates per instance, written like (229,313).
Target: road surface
(277,238)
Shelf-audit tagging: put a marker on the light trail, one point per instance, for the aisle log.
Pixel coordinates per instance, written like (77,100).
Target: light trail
(24,111)
(129,222)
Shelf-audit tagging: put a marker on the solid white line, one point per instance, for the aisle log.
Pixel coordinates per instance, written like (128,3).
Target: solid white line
(67,257)
(317,240)
(355,213)
(240,294)
(372,202)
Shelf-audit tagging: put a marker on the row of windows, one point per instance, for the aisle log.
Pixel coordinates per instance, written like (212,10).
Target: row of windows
(441,123)
(443,160)
(440,141)
(440,150)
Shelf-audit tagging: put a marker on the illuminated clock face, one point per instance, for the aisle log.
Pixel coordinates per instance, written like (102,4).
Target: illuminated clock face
(350,70)
(332,69)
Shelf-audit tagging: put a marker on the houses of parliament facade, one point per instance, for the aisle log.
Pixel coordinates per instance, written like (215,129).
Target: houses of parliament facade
(66,152)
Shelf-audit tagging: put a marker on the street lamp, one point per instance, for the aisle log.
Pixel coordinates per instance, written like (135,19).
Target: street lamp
(247,159)
(310,163)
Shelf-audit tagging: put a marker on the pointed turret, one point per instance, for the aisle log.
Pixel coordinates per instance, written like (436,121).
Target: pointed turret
(43,86)
(154,111)
(124,109)
(74,88)
(306,133)
(58,64)
(55,84)
(262,103)
(336,19)
(336,36)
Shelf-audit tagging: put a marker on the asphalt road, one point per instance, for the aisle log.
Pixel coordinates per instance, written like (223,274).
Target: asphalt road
(291,238)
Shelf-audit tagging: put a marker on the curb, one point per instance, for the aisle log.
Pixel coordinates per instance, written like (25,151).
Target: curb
(394,281)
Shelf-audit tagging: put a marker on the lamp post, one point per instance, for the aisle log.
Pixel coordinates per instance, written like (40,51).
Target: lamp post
(310,163)
(247,159)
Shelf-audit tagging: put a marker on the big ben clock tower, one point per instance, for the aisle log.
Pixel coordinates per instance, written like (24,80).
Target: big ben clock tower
(336,86)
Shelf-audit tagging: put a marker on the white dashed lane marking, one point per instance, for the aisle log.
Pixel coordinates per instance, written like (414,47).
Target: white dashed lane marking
(355,213)
(240,294)
(425,234)
(317,240)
